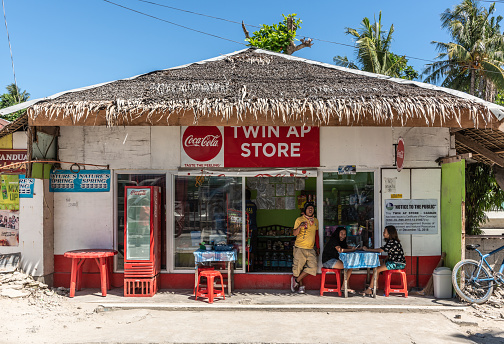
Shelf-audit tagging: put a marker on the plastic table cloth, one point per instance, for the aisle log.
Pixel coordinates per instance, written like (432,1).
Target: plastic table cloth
(78,257)
(357,260)
(205,256)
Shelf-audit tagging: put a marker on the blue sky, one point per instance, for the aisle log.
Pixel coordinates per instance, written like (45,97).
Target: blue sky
(60,45)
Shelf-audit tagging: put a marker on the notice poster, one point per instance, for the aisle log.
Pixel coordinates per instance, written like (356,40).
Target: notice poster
(83,181)
(26,186)
(9,189)
(9,228)
(412,216)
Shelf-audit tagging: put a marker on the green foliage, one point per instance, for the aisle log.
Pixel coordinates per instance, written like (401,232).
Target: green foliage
(276,37)
(482,194)
(373,52)
(12,97)
(473,61)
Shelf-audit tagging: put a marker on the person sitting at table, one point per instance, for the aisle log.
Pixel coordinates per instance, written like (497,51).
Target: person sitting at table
(330,256)
(395,255)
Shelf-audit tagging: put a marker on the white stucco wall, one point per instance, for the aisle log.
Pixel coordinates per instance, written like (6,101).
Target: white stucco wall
(34,246)
(373,147)
(86,219)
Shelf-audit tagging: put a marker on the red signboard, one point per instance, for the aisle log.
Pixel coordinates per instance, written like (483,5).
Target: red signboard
(253,146)
(277,146)
(400,154)
(11,156)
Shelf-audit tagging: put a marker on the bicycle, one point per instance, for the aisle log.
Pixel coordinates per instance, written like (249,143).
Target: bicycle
(474,281)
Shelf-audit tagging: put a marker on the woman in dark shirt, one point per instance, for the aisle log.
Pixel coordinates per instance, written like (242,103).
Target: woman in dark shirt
(395,255)
(336,245)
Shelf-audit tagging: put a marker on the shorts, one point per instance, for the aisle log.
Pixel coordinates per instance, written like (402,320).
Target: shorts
(330,263)
(304,260)
(394,266)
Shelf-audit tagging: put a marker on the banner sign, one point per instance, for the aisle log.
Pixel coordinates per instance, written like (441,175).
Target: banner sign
(412,216)
(11,156)
(9,227)
(9,188)
(250,146)
(26,186)
(83,181)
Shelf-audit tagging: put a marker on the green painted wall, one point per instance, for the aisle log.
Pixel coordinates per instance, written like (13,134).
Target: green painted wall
(452,196)
(266,217)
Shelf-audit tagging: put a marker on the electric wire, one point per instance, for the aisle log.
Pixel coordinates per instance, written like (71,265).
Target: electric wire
(235,22)
(12,58)
(172,23)
(315,39)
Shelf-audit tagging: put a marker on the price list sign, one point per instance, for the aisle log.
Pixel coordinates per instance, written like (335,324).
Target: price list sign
(412,216)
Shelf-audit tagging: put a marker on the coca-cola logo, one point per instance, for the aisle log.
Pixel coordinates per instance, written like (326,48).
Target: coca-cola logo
(202,143)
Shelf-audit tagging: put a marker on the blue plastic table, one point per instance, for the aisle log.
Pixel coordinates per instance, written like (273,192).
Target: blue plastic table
(357,260)
(204,256)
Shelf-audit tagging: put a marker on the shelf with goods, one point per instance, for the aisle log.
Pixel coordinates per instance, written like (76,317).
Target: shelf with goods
(352,208)
(273,251)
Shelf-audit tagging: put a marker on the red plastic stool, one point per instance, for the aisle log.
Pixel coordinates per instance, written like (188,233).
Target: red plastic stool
(196,279)
(209,291)
(330,288)
(401,288)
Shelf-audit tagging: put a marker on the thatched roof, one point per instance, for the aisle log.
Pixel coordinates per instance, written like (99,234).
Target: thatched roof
(254,87)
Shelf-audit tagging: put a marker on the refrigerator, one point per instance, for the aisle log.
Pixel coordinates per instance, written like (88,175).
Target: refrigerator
(142,246)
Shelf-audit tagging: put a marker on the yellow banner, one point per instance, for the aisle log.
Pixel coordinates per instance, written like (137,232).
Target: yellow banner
(9,189)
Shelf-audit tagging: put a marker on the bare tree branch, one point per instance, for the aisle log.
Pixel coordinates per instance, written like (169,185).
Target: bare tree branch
(305,43)
(245,30)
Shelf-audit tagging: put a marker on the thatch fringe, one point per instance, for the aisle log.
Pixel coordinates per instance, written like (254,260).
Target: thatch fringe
(318,111)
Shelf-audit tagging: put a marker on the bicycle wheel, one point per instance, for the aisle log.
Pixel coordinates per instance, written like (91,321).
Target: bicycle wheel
(467,284)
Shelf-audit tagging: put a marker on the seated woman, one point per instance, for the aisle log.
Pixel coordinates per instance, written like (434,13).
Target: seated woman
(395,259)
(336,245)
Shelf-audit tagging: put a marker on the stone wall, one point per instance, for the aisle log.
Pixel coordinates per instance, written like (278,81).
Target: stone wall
(487,244)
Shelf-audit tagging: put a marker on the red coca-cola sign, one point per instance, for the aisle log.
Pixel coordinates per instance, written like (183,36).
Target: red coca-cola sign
(202,143)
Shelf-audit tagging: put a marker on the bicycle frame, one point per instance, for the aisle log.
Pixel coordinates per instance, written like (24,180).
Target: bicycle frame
(483,259)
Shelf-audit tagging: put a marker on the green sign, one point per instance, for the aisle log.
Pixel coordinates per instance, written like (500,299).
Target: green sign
(9,189)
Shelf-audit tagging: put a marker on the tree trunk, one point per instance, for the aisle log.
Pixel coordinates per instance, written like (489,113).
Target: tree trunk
(473,80)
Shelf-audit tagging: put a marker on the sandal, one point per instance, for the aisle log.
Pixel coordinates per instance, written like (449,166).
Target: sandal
(367,292)
(349,291)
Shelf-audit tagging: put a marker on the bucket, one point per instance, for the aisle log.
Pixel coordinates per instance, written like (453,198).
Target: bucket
(442,283)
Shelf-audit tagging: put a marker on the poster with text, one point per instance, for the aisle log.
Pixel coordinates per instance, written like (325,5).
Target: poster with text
(412,216)
(9,228)
(83,181)
(9,189)
(26,186)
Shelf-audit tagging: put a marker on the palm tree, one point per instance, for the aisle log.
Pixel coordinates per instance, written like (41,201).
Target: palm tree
(473,61)
(12,97)
(373,51)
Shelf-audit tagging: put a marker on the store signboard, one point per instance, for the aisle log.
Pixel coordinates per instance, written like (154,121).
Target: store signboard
(250,146)
(412,216)
(83,181)
(11,156)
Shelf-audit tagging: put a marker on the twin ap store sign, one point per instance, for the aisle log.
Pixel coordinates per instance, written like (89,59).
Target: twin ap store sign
(252,146)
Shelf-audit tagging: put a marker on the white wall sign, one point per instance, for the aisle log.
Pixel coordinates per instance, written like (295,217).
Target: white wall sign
(412,216)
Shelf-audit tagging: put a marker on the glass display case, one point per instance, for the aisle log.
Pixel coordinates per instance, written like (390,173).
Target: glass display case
(349,202)
(142,230)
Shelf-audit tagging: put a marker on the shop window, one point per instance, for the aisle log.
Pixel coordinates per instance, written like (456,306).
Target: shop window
(139,180)
(349,202)
(207,210)
(276,204)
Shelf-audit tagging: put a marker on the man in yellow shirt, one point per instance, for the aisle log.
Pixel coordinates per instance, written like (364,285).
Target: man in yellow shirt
(304,260)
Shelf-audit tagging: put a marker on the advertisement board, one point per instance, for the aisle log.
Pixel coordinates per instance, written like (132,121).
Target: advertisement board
(82,181)
(250,146)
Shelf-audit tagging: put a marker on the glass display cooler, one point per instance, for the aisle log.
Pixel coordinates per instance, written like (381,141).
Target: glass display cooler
(142,256)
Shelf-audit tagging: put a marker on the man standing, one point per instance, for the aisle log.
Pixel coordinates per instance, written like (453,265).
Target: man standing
(304,261)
